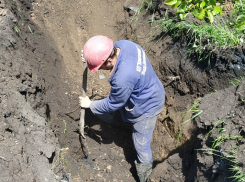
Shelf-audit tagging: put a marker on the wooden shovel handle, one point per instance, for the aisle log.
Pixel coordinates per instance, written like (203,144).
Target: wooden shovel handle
(84,89)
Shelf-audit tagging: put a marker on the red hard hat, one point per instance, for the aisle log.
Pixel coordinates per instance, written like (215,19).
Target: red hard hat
(97,50)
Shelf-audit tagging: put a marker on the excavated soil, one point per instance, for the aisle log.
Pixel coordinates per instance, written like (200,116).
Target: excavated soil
(41,80)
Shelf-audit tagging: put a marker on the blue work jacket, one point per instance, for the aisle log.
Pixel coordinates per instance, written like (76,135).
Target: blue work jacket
(136,90)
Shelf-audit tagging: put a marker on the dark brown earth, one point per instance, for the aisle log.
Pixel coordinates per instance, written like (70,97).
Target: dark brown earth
(41,79)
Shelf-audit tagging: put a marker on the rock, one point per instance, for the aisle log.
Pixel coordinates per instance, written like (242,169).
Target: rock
(131,6)
(3,12)
(239,70)
(108,169)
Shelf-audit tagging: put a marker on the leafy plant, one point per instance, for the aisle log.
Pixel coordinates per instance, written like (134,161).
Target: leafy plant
(200,9)
(202,39)
(238,15)
(146,4)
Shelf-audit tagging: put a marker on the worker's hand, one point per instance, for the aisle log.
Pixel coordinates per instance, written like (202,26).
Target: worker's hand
(82,58)
(84,102)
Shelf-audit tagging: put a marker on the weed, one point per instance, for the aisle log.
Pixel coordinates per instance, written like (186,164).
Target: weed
(233,152)
(17,30)
(242,97)
(65,126)
(61,161)
(222,155)
(12,43)
(212,90)
(146,4)
(52,47)
(238,176)
(237,80)
(221,139)
(30,30)
(203,39)
(219,122)
(229,156)
(192,110)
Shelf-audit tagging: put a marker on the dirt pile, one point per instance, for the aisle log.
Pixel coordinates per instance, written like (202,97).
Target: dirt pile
(219,144)
(28,147)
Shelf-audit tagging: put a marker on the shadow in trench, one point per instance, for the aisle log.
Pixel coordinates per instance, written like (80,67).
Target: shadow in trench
(187,155)
(121,135)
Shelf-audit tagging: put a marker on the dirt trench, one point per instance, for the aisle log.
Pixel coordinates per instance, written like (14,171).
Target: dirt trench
(41,80)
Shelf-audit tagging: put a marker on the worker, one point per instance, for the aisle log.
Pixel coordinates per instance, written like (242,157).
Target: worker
(136,92)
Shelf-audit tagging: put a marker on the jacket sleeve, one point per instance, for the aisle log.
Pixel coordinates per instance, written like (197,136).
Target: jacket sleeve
(116,100)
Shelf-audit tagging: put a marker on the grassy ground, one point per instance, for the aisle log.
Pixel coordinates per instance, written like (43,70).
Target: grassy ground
(226,31)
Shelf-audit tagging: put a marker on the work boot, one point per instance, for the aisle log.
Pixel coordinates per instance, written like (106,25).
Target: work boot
(143,170)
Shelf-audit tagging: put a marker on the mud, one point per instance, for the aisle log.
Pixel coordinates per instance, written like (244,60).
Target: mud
(28,146)
(41,80)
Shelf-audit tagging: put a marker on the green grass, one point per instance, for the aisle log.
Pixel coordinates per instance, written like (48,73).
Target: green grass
(65,126)
(17,30)
(221,139)
(221,131)
(238,175)
(12,43)
(229,156)
(203,39)
(242,97)
(236,81)
(52,47)
(192,110)
(30,30)
(218,123)
(224,156)
(61,160)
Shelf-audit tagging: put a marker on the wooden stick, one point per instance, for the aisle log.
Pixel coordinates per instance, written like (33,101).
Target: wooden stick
(84,89)
(72,110)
